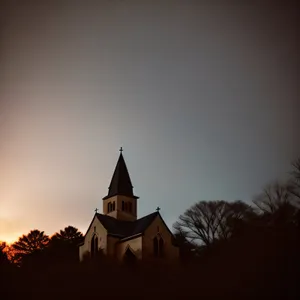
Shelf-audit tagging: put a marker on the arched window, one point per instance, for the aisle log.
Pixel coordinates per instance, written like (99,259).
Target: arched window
(109,207)
(130,207)
(161,247)
(158,246)
(126,206)
(114,206)
(155,246)
(94,245)
(123,205)
(129,256)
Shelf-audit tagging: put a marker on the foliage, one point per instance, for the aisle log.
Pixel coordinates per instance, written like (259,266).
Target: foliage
(34,240)
(295,182)
(31,244)
(296,171)
(277,204)
(3,254)
(69,235)
(64,244)
(273,197)
(209,221)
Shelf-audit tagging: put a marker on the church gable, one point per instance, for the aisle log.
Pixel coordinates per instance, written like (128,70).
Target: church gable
(150,238)
(94,239)
(133,245)
(158,240)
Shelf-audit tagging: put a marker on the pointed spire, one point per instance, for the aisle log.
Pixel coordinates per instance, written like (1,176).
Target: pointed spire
(120,183)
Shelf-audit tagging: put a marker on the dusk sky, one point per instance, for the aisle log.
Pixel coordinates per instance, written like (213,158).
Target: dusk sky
(202,97)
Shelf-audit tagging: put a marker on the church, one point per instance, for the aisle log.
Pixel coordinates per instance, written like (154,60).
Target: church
(119,233)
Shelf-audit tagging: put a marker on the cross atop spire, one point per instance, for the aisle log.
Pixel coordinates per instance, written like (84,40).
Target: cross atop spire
(121,150)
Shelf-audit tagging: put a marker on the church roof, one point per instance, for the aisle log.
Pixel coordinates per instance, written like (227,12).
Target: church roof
(125,229)
(120,183)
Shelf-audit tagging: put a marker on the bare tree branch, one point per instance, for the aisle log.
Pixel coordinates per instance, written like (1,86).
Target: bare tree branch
(209,221)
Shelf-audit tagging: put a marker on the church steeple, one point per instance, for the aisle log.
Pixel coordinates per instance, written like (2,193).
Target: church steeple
(120,201)
(120,183)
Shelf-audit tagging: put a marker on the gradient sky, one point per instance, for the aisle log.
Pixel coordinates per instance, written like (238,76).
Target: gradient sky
(202,97)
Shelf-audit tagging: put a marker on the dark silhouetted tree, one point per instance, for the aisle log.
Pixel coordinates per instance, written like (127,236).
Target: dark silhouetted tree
(70,235)
(294,187)
(234,216)
(273,197)
(64,244)
(3,254)
(296,171)
(276,204)
(210,221)
(187,249)
(30,245)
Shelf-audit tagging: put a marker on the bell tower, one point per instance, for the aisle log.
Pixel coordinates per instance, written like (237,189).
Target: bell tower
(120,202)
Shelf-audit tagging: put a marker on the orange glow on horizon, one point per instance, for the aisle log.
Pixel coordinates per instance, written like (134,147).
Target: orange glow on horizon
(10,238)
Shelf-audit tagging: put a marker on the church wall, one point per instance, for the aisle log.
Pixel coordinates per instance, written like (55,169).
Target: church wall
(170,251)
(98,229)
(135,245)
(111,246)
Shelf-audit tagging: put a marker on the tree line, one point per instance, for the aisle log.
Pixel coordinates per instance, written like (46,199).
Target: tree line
(36,247)
(227,249)
(208,224)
